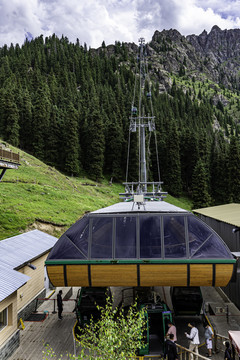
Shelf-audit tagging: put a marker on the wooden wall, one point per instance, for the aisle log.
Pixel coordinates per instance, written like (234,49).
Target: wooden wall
(36,283)
(11,303)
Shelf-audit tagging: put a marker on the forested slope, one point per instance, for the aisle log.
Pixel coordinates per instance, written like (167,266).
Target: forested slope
(69,106)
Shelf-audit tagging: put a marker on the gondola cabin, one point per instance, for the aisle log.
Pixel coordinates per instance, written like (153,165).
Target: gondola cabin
(156,244)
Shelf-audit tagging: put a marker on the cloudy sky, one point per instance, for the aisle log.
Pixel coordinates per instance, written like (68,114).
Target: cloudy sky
(92,21)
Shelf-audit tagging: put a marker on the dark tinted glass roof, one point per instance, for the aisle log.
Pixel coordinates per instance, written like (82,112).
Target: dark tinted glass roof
(139,235)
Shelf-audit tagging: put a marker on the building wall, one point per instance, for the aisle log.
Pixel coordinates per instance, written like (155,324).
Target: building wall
(8,348)
(232,240)
(31,306)
(11,303)
(20,304)
(36,283)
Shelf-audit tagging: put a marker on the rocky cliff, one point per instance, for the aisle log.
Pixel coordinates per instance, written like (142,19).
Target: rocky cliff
(217,54)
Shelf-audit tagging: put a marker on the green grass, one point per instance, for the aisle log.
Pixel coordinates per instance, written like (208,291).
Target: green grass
(38,196)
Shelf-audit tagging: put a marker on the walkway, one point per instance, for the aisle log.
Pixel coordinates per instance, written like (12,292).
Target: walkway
(58,334)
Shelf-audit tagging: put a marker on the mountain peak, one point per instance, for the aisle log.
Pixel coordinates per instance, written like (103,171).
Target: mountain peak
(215,28)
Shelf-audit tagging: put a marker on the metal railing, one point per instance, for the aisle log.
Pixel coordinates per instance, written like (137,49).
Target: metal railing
(8,155)
(218,343)
(53,304)
(184,353)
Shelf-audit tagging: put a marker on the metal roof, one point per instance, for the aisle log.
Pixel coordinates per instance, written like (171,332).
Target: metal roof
(149,206)
(17,251)
(229,213)
(10,281)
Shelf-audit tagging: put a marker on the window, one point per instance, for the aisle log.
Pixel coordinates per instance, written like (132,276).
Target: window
(3,319)
(150,237)
(174,237)
(102,238)
(204,242)
(125,237)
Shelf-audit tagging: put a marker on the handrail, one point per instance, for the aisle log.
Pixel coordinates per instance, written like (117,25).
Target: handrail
(183,353)
(218,344)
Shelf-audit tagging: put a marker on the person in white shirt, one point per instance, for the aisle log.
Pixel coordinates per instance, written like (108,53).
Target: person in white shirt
(194,339)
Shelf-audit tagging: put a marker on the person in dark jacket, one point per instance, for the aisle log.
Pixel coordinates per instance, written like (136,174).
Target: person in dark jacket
(228,351)
(170,348)
(59,304)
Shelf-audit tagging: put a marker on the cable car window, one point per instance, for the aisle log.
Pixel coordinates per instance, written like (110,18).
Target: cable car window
(174,237)
(150,237)
(79,235)
(101,238)
(125,237)
(203,242)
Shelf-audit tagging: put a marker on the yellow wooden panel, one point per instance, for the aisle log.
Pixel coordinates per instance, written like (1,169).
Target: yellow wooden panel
(201,274)
(77,275)
(34,285)
(114,275)
(163,275)
(223,274)
(9,303)
(56,275)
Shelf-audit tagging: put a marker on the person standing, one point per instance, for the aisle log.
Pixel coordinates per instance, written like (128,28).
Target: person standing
(59,304)
(172,330)
(208,339)
(170,348)
(228,351)
(194,339)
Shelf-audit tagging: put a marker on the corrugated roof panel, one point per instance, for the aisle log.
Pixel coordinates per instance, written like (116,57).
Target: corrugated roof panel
(229,213)
(20,249)
(10,281)
(16,251)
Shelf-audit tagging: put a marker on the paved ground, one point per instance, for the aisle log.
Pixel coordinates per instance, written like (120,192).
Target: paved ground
(58,334)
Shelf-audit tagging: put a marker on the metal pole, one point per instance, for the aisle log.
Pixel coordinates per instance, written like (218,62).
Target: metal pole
(54,309)
(143,157)
(36,305)
(143,169)
(2,173)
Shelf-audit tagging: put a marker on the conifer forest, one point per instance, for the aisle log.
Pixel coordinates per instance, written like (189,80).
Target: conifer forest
(69,106)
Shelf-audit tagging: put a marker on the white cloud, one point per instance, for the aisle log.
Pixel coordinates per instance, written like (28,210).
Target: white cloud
(93,21)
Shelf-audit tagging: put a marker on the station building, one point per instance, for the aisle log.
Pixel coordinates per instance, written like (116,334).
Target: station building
(225,220)
(22,281)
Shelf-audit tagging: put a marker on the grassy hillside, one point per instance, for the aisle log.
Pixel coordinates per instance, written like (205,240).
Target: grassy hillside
(39,196)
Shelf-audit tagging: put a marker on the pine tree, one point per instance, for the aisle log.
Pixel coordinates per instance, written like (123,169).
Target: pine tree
(200,194)
(173,164)
(40,121)
(219,170)
(55,139)
(70,146)
(114,147)
(234,170)
(94,138)
(25,120)
(10,118)
(189,156)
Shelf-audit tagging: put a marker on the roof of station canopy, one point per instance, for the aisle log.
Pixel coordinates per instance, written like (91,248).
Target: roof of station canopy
(149,206)
(162,231)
